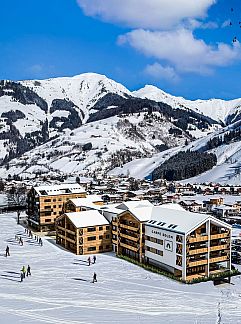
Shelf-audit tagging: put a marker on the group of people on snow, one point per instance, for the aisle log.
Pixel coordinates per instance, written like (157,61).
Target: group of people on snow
(25,272)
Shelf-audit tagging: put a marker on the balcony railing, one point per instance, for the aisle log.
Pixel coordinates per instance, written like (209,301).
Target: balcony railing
(219,236)
(129,247)
(219,247)
(197,251)
(197,238)
(196,263)
(219,259)
(132,238)
(131,228)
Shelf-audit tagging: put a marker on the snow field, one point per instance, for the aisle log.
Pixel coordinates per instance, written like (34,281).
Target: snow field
(60,289)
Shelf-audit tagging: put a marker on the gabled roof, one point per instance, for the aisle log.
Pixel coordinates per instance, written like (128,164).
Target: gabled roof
(87,201)
(134,204)
(180,221)
(87,218)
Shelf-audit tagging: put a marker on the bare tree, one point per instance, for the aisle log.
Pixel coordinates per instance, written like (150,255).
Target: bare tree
(17,198)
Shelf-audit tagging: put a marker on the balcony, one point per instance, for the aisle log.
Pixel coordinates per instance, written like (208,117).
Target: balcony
(197,251)
(219,247)
(196,263)
(128,237)
(129,247)
(114,223)
(219,236)
(219,259)
(197,238)
(130,228)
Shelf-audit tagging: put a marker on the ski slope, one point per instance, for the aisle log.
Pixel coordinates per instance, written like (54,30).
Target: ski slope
(60,289)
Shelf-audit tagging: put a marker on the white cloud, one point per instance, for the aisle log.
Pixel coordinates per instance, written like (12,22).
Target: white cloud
(159,71)
(152,14)
(181,49)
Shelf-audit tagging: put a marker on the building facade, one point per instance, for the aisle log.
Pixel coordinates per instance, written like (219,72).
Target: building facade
(45,203)
(86,232)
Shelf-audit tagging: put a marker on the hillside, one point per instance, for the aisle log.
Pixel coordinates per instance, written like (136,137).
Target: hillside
(89,123)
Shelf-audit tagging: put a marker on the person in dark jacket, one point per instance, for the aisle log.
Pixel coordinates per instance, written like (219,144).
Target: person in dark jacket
(28,271)
(89,260)
(94,259)
(7,253)
(94,277)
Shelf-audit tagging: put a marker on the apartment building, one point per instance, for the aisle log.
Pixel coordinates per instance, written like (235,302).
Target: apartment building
(188,245)
(82,204)
(84,232)
(45,203)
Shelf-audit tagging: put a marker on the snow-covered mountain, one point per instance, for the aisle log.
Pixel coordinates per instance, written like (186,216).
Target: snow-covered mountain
(89,122)
(217,109)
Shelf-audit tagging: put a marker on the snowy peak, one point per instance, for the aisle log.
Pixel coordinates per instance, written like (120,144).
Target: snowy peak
(217,109)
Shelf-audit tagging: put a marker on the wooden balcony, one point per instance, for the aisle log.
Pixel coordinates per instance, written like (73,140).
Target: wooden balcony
(130,228)
(197,238)
(219,259)
(114,232)
(196,263)
(219,247)
(129,247)
(197,251)
(128,237)
(66,238)
(114,223)
(66,230)
(219,236)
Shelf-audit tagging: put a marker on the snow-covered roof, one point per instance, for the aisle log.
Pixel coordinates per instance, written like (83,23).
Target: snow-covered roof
(134,204)
(181,221)
(87,218)
(64,188)
(89,200)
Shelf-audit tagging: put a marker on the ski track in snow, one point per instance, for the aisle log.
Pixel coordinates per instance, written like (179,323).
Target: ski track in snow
(60,289)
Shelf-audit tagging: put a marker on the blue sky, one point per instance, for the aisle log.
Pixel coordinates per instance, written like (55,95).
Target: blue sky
(134,42)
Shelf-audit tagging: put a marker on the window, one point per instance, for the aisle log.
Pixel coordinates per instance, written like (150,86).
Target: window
(47,220)
(47,200)
(54,206)
(101,237)
(159,252)
(159,241)
(47,207)
(91,229)
(60,206)
(54,213)
(54,200)
(92,248)
(107,236)
(60,199)
(101,228)
(179,261)
(107,246)
(91,238)
(107,228)
(100,247)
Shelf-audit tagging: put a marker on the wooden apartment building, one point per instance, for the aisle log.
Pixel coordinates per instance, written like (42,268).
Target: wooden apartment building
(45,203)
(85,232)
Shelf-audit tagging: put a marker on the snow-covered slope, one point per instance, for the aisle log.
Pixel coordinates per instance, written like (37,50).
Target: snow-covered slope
(217,109)
(227,170)
(60,289)
(97,146)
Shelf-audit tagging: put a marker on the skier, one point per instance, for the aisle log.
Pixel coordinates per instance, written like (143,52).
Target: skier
(21,276)
(89,260)
(94,259)
(23,271)
(94,277)
(28,271)
(40,241)
(7,251)
(20,241)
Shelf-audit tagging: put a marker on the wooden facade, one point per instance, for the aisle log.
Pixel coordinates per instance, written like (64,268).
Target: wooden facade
(129,233)
(82,240)
(43,209)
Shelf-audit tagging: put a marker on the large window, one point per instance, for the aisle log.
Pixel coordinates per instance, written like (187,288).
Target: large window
(91,229)
(92,248)
(47,200)
(91,238)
